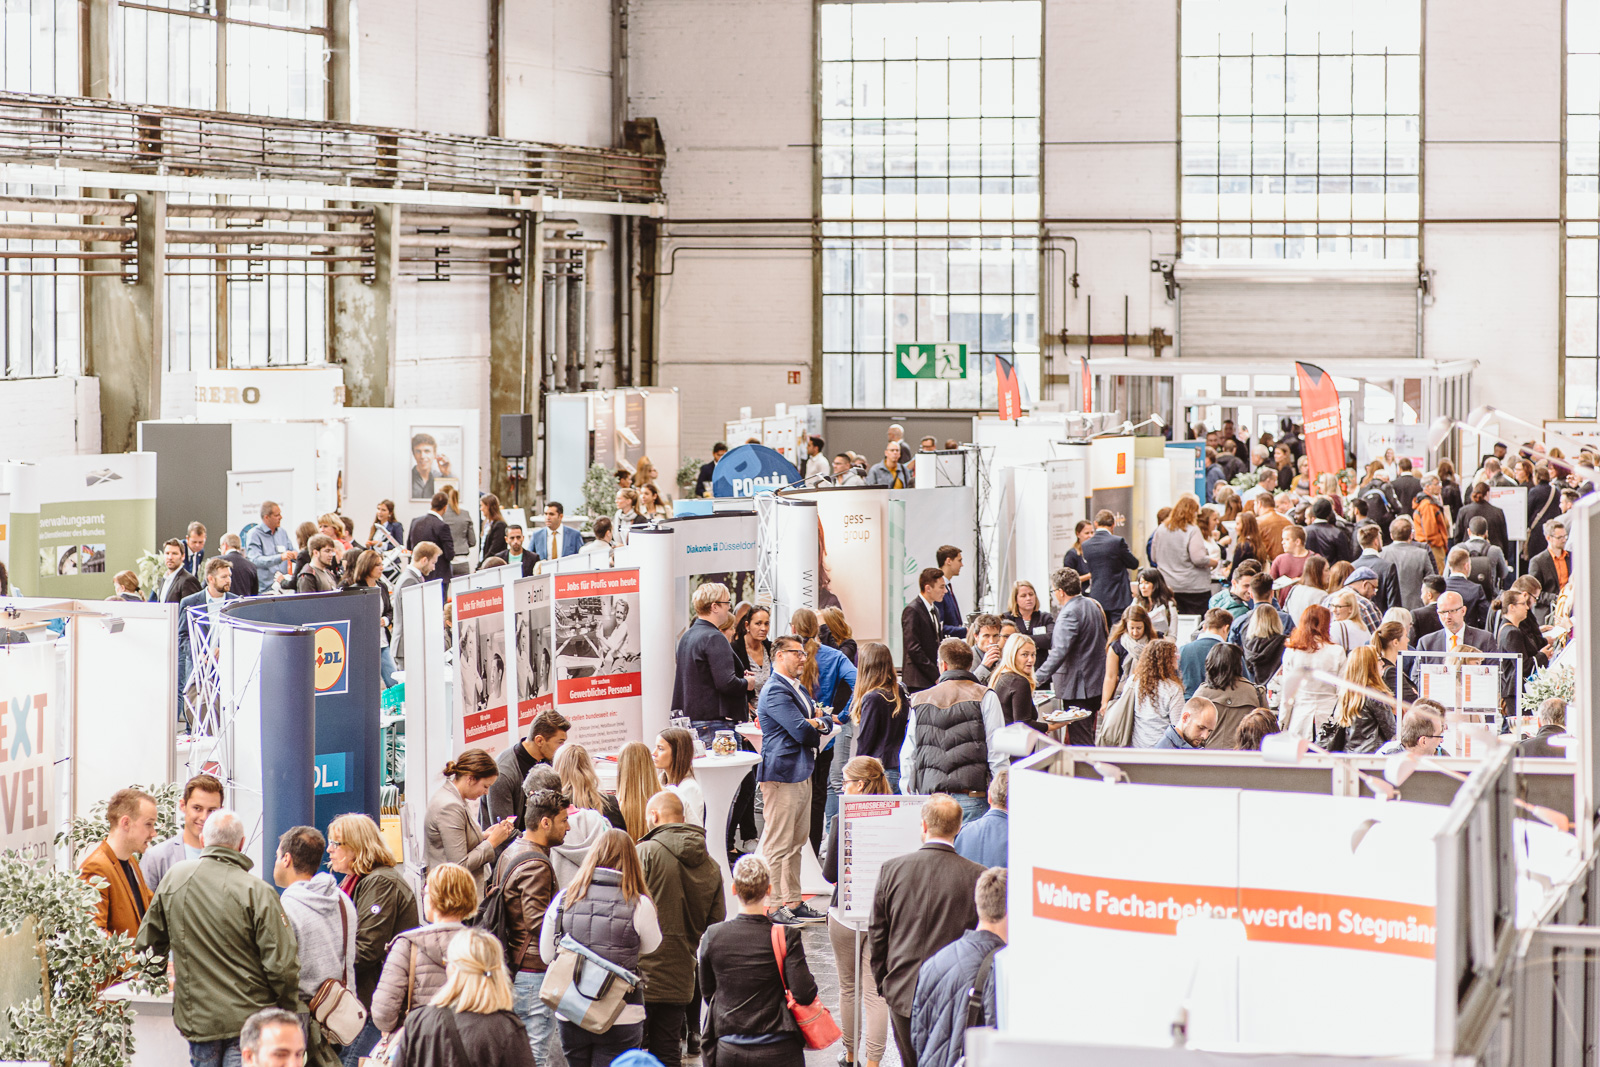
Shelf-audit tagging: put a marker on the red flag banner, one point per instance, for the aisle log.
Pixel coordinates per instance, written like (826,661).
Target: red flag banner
(1008,390)
(1087,384)
(1319,416)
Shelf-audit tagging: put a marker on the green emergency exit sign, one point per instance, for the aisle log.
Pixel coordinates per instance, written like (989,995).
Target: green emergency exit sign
(932,362)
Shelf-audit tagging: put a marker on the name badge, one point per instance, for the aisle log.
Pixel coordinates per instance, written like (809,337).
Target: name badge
(1038,629)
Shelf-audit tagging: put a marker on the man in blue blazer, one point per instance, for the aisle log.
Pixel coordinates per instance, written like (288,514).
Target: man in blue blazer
(948,559)
(791,731)
(1109,559)
(219,581)
(555,541)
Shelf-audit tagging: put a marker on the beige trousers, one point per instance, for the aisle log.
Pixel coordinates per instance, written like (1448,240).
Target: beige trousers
(786,809)
(875,1028)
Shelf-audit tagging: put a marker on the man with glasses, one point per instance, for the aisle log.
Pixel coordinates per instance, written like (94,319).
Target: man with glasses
(1421,731)
(1454,633)
(791,731)
(708,687)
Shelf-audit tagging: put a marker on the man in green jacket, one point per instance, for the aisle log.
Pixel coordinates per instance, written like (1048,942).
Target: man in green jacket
(686,886)
(237,951)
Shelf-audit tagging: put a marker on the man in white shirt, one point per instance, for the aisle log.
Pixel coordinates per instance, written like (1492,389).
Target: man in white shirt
(177,583)
(602,542)
(202,795)
(515,539)
(817,466)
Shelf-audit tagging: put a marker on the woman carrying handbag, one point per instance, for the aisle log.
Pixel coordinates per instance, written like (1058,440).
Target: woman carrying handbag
(749,1019)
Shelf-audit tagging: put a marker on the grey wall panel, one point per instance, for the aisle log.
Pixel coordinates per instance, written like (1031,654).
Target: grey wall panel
(192,463)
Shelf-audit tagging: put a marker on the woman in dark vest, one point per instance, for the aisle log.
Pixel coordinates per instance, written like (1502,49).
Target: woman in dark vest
(605,910)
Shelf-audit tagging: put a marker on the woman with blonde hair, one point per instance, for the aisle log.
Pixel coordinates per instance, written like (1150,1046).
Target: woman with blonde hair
(863,776)
(385,908)
(416,965)
(1362,723)
(1012,684)
(1346,629)
(592,812)
(836,632)
(637,782)
(606,910)
(1158,696)
(674,758)
(1178,551)
(880,710)
(471,1014)
(1024,611)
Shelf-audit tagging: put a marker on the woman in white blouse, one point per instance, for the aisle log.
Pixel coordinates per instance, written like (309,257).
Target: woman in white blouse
(674,758)
(1311,648)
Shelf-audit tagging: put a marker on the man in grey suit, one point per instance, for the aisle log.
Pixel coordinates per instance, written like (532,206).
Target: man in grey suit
(1076,665)
(1412,562)
(423,559)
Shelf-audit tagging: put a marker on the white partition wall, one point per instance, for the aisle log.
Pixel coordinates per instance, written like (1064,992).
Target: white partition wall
(380,459)
(427,709)
(795,582)
(125,687)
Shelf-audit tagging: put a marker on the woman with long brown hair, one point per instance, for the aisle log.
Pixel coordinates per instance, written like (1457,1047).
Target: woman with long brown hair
(606,910)
(880,710)
(1247,540)
(1310,648)
(1128,638)
(1158,693)
(367,573)
(637,782)
(463,531)
(494,528)
(836,632)
(1362,723)
(1311,588)
(674,758)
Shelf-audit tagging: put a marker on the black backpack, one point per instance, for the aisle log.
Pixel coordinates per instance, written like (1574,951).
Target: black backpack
(1482,571)
(494,918)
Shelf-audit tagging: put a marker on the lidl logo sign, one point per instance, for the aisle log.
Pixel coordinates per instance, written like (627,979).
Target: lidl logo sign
(333,650)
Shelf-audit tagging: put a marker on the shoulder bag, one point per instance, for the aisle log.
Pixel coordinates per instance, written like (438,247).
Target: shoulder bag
(583,987)
(817,1027)
(1116,725)
(335,1005)
(388,1046)
(975,995)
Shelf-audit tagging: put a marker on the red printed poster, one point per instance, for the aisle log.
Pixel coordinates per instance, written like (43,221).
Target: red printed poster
(480,636)
(534,600)
(597,677)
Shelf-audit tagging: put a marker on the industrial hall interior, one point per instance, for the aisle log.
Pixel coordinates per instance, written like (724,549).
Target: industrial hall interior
(560,533)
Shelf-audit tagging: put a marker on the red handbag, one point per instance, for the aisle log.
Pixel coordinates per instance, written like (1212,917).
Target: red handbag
(816,1025)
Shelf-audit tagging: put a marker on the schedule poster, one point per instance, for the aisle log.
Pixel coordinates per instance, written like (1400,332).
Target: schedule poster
(480,632)
(597,672)
(876,829)
(532,605)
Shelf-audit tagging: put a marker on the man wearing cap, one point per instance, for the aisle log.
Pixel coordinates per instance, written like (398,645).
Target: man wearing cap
(1364,580)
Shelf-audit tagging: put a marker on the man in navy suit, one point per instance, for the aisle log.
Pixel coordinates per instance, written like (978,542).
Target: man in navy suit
(1457,579)
(432,528)
(790,732)
(219,581)
(948,559)
(1109,559)
(555,541)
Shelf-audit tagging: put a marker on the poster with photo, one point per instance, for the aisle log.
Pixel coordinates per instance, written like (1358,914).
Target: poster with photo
(436,453)
(480,638)
(533,603)
(597,666)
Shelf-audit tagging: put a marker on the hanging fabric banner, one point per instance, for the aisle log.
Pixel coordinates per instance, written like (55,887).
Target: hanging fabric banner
(1319,415)
(1008,391)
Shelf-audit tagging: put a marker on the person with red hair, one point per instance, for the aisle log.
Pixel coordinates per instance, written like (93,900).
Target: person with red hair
(1310,648)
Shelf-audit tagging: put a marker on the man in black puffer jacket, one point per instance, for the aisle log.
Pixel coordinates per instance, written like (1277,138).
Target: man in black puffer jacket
(949,736)
(943,1007)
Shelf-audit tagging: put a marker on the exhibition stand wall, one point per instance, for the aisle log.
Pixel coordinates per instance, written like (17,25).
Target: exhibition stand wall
(610,427)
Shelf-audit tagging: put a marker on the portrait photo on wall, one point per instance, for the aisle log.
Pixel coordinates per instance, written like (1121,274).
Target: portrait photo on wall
(535,677)
(435,460)
(741,587)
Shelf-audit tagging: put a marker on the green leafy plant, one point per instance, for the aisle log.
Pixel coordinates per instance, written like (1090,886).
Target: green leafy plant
(70,1024)
(150,568)
(689,473)
(1247,480)
(86,831)
(599,495)
(1550,682)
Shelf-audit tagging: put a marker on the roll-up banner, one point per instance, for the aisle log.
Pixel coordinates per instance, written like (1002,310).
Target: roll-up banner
(597,661)
(28,808)
(480,641)
(852,547)
(1111,479)
(533,606)
(97,515)
(717,548)
(794,583)
(20,482)
(1068,499)
(347,688)
(1320,420)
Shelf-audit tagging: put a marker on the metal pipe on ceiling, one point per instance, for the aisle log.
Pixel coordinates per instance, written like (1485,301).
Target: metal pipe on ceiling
(485,222)
(68,206)
(451,240)
(269,214)
(60,231)
(328,238)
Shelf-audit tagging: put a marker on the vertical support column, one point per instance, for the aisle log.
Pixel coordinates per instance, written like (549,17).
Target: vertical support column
(341,62)
(511,352)
(497,68)
(94,48)
(361,336)
(127,330)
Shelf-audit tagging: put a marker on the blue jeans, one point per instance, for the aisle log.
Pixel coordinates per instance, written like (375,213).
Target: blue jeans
(972,808)
(215,1053)
(894,780)
(536,1016)
(386,665)
(351,1054)
(584,1049)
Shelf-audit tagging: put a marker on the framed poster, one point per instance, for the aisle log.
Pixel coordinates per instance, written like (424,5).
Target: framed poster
(533,603)
(435,453)
(875,830)
(480,639)
(597,657)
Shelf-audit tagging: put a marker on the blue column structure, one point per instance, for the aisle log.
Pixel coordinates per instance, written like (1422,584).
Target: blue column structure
(342,656)
(288,736)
